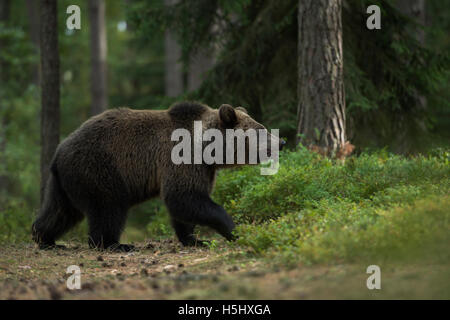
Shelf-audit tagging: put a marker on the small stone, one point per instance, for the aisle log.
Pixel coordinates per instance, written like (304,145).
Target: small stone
(169,268)
(24,267)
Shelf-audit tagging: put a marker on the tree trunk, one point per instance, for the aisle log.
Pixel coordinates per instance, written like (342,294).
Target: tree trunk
(98,57)
(50,86)
(199,64)
(173,77)
(33,20)
(203,60)
(4,10)
(321,106)
(4,17)
(415,9)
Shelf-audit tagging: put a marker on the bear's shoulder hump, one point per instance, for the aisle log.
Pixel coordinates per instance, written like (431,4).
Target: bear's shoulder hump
(187,110)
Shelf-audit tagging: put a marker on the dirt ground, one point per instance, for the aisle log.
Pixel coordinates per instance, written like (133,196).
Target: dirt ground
(164,270)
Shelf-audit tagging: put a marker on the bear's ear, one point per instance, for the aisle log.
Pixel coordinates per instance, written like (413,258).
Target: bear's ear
(227,115)
(242,109)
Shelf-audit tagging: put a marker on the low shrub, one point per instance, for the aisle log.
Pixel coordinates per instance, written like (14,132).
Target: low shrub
(317,210)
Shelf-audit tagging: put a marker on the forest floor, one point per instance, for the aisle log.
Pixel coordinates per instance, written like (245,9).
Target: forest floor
(165,270)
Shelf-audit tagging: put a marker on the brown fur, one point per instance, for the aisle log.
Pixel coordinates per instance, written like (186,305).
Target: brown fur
(123,157)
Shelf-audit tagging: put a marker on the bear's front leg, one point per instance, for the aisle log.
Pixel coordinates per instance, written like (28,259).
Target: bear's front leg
(185,233)
(191,208)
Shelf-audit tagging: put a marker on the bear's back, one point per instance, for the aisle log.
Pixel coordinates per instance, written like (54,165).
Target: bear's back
(129,144)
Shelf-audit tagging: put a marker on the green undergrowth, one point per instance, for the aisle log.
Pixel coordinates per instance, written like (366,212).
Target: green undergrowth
(374,206)
(316,210)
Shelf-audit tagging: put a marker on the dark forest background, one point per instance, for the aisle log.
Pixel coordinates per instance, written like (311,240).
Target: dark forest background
(241,52)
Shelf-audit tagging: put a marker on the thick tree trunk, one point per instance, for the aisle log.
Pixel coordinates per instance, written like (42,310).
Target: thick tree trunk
(50,86)
(200,62)
(33,20)
(321,106)
(98,56)
(173,74)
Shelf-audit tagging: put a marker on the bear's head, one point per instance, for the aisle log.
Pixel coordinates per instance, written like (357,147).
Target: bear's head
(223,137)
(245,141)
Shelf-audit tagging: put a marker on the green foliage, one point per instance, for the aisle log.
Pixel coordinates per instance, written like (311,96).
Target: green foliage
(19,151)
(317,210)
(16,59)
(135,76)
(385,70)
(355,233)
(15,222)
(159,224)
(304,179)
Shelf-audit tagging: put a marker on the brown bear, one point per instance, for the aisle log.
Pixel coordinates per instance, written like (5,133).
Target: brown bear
(123,157)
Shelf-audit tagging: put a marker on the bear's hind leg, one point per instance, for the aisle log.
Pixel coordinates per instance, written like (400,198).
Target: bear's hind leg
(57,215)
(105,228)
(198,208)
